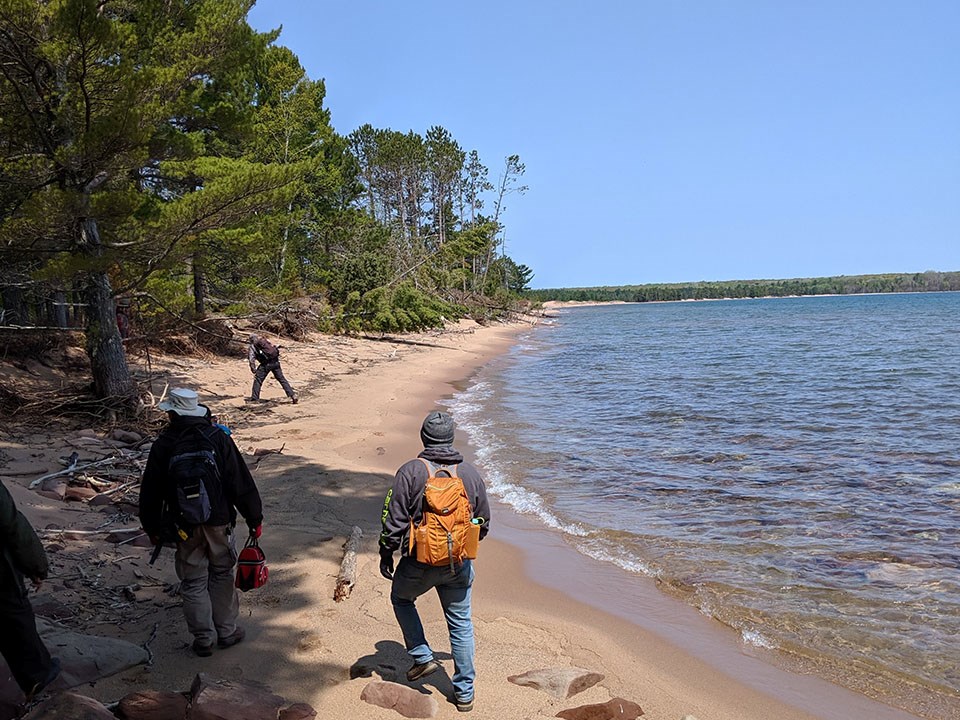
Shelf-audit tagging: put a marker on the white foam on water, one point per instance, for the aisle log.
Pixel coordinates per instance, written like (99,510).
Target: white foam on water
(616,556)
(466,408)
(756,639)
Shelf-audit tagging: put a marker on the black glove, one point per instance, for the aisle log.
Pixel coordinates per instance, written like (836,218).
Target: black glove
(386,563)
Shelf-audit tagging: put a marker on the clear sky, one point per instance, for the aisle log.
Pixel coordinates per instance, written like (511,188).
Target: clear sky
(674,140)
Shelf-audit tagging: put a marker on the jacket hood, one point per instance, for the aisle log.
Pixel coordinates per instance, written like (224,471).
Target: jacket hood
(442,454)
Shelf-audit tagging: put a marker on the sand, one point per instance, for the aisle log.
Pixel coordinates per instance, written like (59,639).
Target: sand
(536,603)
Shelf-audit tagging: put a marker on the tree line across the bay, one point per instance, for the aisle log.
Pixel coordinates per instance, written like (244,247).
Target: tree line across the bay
(930,281)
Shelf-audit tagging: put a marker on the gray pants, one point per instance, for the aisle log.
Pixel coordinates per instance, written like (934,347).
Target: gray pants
(206,563)
(260,374)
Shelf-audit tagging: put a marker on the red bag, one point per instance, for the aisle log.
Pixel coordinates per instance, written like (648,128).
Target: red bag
(252,571)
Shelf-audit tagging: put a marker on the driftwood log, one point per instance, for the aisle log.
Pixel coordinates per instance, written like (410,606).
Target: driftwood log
(347,576)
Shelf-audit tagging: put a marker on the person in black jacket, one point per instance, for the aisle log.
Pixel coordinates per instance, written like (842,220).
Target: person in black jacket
(22,554)
(404,502)
(206,554)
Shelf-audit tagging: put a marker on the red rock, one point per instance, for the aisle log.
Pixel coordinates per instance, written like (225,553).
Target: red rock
(405,700)
(153,705)
(79,494)
(298,711)
(70,706)
(228,700)
(126,436)
(615,709)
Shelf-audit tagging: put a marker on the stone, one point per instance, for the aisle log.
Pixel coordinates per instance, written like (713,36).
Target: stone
(78,494)
(101,499)
(88,658)
(560,682)
(126,436)
(688,717)
(400,698)
(69,706)
(615,709)
(229,700)
(153,705)
(58,486)
(298,711)
(86,433)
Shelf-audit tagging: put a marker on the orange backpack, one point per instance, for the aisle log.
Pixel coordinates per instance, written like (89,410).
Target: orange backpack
(447,533)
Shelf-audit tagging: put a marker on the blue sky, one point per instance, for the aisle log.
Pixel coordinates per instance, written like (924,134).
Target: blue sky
(673,141)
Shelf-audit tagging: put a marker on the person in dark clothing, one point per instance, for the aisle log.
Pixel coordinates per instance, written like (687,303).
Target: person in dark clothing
(206,554)
(403,504)
(264,358)
(22,555)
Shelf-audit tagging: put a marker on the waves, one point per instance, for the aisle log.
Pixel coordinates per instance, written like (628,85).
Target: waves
(787,466)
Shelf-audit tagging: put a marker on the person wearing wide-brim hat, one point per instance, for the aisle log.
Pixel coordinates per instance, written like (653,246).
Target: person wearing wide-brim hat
(206,553)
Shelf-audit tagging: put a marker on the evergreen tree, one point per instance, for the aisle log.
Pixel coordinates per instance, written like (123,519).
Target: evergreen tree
(117,122)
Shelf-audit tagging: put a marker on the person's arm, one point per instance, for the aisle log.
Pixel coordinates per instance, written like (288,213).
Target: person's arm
(397,507)
(252,357)
(243,490)
(151,492)
(19,538)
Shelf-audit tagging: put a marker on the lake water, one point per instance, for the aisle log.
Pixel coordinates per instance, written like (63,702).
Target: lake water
(789,466)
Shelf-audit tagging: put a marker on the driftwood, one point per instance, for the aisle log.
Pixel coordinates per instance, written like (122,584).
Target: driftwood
(259,452)
(68,531)
(347,576)
(72,469)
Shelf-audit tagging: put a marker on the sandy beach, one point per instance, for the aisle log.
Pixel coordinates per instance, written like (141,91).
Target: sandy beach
(536,602)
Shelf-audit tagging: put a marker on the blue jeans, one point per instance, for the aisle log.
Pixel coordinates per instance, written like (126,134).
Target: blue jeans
(413,579)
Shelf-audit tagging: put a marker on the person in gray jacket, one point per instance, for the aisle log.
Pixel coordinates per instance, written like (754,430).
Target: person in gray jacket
(404,502)
(22,554)
(264,358)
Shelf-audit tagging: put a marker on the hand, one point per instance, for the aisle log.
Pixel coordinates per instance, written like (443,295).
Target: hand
(386,563)
(154,539)
(255,531)
(37,583)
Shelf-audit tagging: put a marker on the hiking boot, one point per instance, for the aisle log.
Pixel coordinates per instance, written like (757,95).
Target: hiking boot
(202,648)
(233,638)
(423,669)
(294,399)
(464,705)
(52,675)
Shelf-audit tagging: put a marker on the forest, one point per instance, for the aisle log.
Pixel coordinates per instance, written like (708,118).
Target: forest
(161,162)
(929,281)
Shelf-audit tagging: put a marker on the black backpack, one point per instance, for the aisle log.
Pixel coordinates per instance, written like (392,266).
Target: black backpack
(194,472)
(266,351)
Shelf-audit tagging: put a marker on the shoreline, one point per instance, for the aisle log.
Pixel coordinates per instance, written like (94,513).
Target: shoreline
(566,304)
(343,443)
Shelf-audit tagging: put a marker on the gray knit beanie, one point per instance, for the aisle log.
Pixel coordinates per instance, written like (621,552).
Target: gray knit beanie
(437,429)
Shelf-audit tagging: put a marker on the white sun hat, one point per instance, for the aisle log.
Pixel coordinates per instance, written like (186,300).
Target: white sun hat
(183,401)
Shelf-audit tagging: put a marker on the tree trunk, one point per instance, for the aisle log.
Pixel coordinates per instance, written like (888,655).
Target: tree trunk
(108,361)
(111,376)
(14,306)
(59,310)
(199,297)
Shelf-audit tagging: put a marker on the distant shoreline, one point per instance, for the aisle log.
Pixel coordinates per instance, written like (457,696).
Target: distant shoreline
(563,304)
